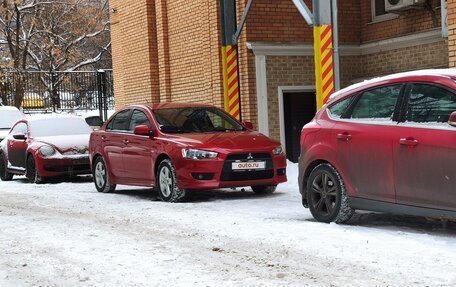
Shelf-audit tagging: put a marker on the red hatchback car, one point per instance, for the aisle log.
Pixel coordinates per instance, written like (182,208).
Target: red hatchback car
(45,146)
(180,147)
(386,145)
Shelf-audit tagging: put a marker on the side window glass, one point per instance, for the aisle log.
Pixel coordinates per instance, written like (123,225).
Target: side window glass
(377,104)
(20,128)
(430,104)
(138,118)
(339,108)
(119,122)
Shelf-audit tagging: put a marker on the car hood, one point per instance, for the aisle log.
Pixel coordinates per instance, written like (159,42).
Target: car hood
(72,144)
(229,140)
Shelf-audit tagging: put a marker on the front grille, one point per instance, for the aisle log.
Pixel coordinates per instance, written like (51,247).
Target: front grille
(68,169)
(229,175)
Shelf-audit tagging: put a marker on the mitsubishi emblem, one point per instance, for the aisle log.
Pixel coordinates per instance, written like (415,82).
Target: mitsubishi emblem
(250,156)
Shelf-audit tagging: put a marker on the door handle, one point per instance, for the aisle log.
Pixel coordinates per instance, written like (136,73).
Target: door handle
(410,141)
(346,137)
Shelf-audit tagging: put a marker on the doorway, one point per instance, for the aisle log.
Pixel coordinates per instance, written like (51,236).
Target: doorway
(299,108)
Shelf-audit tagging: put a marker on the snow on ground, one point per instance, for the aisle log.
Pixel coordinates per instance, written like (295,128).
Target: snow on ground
(67,234)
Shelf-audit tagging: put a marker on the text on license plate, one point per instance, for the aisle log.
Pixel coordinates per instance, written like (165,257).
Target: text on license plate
(248,165)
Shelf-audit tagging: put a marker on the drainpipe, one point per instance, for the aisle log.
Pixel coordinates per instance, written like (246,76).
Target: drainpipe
(335,25)
(444,14)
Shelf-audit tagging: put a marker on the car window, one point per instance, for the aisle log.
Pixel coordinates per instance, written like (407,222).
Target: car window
(119,122)
(430,104)
(339,108)
(138,118)
(377,104)
(20,128)
(195,120)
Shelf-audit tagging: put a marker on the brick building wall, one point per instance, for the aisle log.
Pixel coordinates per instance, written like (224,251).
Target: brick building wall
(408,22)
(170,50)
(434,55)
(194,53)
(134,52)
(451,32)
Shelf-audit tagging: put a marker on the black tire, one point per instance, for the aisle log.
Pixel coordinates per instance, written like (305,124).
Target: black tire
(101,176)
(264,189)
(327,196)
(31,171)
(4,174)
(166,180)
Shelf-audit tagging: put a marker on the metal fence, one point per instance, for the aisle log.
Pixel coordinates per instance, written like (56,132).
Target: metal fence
(59,91)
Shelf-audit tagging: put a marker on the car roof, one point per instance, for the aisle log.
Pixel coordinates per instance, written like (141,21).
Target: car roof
(159,106)
(41,117)
(411,75)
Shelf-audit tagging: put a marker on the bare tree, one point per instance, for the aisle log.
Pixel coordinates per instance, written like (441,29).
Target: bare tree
(44,35)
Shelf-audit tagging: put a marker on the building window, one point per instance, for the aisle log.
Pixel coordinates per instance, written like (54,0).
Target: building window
(379,11)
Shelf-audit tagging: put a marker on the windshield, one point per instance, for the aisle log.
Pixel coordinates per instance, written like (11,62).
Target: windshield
(9,117)
(59,127)
(195,120)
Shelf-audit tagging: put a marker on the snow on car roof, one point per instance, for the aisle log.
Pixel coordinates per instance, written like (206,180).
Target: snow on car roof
(427,72)
(8,108)
(41,117)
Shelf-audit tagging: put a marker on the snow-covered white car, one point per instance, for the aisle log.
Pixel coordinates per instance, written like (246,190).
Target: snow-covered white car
(46,146)
(8,116)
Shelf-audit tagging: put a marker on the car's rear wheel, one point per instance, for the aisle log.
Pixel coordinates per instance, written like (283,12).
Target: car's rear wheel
(327,196)
(4,174)
(167,183)
(264,189)
(31,171)
(101,176)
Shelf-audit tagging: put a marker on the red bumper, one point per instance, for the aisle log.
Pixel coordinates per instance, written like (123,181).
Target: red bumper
(217,173)
(49,167)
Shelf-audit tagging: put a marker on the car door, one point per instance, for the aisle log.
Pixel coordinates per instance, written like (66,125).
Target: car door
(425,151)
(114,140)
(17,147)
(139,151)
(364,143)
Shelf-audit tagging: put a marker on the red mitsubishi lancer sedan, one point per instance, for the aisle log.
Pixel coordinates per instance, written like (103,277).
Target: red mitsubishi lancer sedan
(387,145)
(181,147)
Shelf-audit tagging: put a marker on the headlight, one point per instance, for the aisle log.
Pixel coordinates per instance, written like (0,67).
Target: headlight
(277,151)
(198,154)
(47,150)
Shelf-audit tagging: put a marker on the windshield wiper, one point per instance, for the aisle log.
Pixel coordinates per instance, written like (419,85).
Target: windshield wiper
(222,129)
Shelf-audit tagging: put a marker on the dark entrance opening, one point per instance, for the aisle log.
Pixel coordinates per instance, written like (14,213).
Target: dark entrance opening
(299,109)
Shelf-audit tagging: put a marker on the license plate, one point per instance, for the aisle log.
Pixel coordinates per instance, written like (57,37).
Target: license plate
(251,165)
(81,161)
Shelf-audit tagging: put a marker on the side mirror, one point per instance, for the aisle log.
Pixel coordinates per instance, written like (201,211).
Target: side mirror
(143,130)
(20,137)
(452,120)
(248,125)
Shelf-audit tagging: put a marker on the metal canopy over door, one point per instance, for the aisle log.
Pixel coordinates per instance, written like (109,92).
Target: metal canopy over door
(299,108)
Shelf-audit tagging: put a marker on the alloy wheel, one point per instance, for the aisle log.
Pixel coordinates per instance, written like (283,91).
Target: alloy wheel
(100,174)
(324,194)
(166,181)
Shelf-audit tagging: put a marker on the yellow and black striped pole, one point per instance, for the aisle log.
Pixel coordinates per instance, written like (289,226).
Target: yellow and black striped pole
(232,100)
(324,63)
(231,80)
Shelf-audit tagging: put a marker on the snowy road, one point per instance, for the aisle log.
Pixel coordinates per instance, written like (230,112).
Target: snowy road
(67,234)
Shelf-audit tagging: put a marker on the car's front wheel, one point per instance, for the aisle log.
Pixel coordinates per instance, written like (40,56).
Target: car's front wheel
(4,174)
(264,189)
(31,171)
(101,177)
(167,183)
(327,196)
